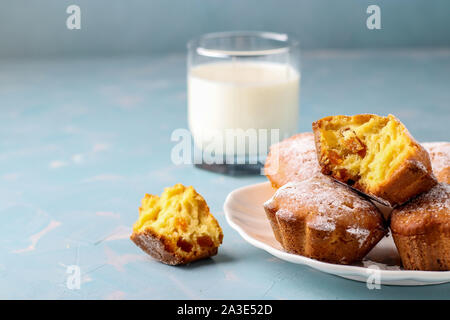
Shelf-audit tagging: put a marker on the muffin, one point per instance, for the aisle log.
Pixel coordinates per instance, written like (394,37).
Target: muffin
(177,227)
(293,159)
(375,155)
(421,230)
(324,220)
(440,159)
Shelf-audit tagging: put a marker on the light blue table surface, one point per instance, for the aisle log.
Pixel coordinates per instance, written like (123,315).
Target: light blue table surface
(81,142)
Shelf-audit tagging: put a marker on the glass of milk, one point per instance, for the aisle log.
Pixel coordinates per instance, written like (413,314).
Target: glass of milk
(243,96)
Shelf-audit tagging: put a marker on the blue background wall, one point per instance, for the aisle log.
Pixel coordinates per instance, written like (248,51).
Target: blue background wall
(115,27)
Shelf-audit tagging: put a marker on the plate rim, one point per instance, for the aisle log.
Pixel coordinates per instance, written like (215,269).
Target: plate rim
(429,277)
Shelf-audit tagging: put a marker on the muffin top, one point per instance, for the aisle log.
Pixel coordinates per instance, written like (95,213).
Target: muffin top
(325,205)
(439,154)
(440,159)
(426,213)
(293,159)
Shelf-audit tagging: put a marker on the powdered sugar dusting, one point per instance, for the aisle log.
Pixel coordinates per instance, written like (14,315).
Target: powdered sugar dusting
(437,200)
(322,223)
(297,158)
(439,154)
(285,214)
(419,165)
(326,205)
(324,194)
(360,234)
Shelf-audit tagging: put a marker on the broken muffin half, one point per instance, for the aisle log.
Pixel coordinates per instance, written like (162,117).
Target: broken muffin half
(375,155)
(177,227)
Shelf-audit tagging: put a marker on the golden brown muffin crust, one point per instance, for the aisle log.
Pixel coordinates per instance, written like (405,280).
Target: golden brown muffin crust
(324,220)
(421,230)
(158,247)
(428,212)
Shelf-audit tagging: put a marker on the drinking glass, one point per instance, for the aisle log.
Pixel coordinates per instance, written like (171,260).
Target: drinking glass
(243,96)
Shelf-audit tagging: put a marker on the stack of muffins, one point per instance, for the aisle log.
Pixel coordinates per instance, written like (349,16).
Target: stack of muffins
(327,180)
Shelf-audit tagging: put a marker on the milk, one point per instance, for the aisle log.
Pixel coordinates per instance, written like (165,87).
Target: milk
(241,95)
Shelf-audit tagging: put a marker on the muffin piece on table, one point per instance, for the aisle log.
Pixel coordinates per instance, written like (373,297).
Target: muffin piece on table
(177,227)
(421,230)
(440,159)
(375,155)
(324,220)
(293,159)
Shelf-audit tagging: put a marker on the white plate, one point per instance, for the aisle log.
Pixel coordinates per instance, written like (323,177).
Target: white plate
(244,212)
